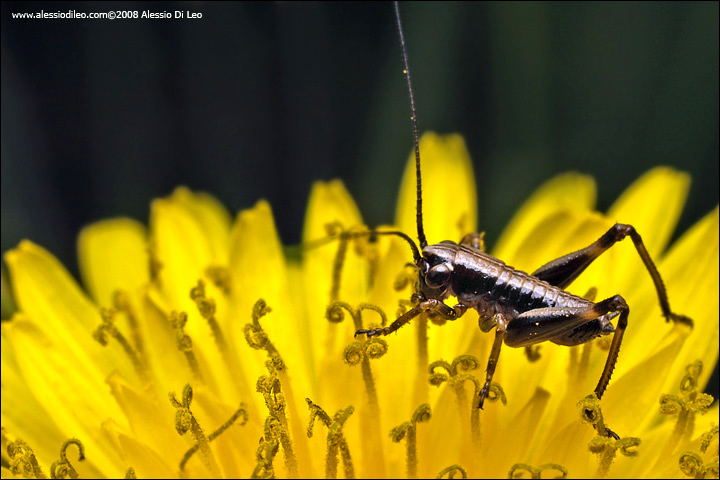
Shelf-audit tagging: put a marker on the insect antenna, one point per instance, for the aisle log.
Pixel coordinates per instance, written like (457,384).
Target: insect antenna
(350,235)
(417,255)
(420,229)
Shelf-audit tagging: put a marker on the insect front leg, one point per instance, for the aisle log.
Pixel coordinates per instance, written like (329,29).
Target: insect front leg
(562,271)
(436,306)
(573,326)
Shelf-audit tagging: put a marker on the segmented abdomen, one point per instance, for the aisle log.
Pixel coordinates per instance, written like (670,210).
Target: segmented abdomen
(480,278)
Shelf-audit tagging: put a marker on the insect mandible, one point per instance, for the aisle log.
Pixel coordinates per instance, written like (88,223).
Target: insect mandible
(525,309)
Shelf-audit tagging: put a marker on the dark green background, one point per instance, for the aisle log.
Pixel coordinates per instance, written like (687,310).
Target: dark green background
(259,100)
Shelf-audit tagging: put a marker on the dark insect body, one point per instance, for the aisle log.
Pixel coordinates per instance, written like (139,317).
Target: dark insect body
(525,309)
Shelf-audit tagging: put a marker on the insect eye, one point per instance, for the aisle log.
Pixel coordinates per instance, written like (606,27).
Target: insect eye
(438,276)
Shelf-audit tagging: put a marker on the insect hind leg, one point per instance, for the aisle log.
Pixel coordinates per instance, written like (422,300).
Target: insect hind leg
(612,304)
(572,326)
(562,271)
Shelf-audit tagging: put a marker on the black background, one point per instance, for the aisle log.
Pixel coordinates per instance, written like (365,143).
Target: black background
(258,100)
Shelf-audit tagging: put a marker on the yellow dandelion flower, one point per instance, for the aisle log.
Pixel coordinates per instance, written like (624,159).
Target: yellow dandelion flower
(200,348)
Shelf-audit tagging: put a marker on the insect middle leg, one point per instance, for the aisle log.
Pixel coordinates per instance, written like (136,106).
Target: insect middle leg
(562,271)
(501,327)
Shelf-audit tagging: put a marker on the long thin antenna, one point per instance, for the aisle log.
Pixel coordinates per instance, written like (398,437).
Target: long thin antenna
(420,229)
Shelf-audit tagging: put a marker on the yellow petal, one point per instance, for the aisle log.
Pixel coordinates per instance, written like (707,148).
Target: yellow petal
(212,217)
(652,204)
(22,414)
(146,462)
(258,270)
(330,204)
(147,418)
(691,273)
(113,255)
(187,234)
(190,233)
(448,190)
(257,262)
(234,447)
(633,391)
(68,384)
(48,295)
(569,191)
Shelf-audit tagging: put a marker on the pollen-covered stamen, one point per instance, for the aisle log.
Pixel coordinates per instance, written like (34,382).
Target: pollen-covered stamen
(707,439)
(23,461)
(536,472)
(422,341)
(693,465)
(268,448)
(602,343)
(130,473)
(121,303)
(404,305)
(408,277)
(63,468)
(457,382)
(108,329)
(354,353)
(280,431)
(336,441)
(456,375)
(607,448)
(221,277)
(452,470)
(590,412)
(207,308)
(184,342)
(242,411)
(270,388)
(154,264)
(333,229)
(185,421)
(334,313)
(532,352)
(258,339)
(408,431)
(361,353)
(470,431)
(685,406)
(362,238)
(495,393)
(254,333)
(374,308)
(607,443)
